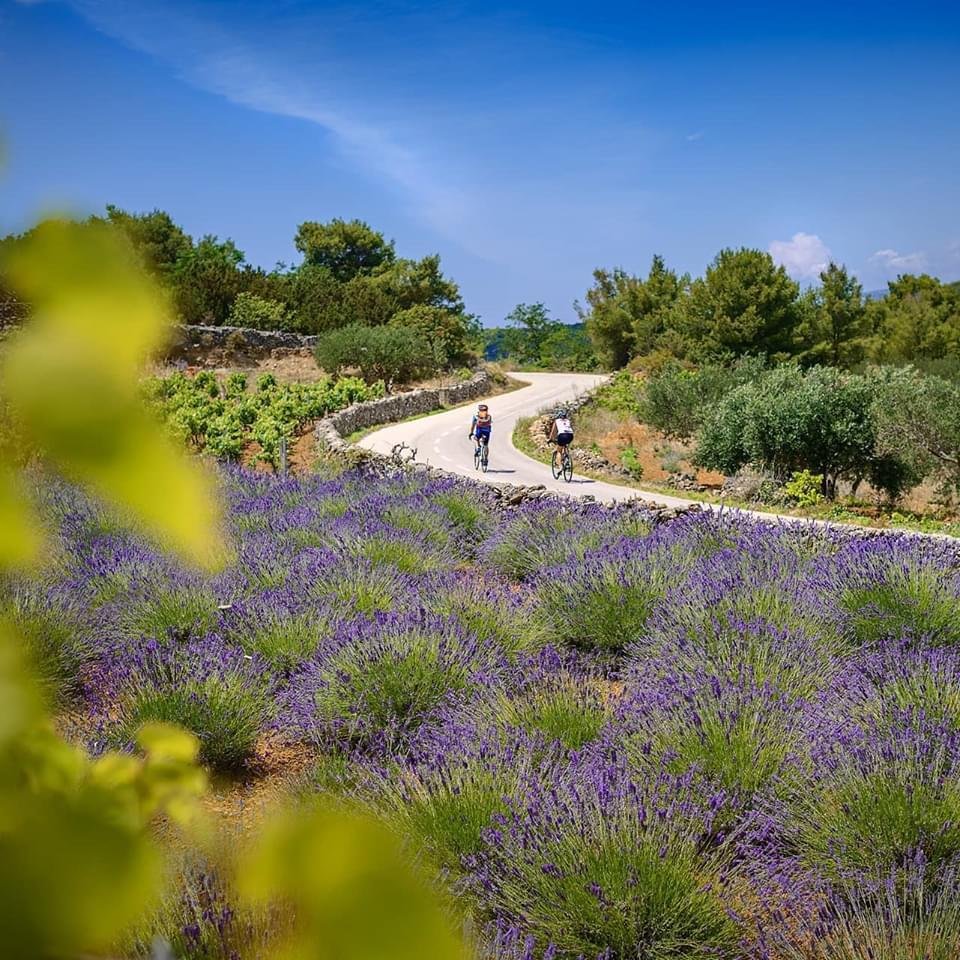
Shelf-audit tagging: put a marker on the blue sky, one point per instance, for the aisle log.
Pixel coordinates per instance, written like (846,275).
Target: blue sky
(527,143)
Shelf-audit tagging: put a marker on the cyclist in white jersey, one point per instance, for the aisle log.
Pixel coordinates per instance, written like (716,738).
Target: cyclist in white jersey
(561,430)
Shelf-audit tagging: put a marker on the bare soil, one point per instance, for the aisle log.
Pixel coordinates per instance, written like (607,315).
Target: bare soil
(274,769)
(659,456)
(287,366)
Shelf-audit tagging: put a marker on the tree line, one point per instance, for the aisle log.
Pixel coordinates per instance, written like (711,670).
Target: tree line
(745,304)
(892,427)
(350,276)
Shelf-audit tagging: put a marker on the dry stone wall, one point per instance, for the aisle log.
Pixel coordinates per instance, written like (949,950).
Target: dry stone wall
(193,338)
(373,413)
(332,430)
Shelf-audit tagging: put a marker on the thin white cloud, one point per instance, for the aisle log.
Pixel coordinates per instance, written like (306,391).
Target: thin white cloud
(212,57)
(891,261)
(804,256)
(694,136)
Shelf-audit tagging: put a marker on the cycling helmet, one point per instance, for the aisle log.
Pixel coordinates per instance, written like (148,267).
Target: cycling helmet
(563,412)
(482,406)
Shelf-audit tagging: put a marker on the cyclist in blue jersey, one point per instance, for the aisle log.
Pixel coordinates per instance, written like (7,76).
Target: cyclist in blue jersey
(481,426)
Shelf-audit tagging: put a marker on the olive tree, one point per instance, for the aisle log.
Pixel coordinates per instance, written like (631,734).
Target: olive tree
(821,420)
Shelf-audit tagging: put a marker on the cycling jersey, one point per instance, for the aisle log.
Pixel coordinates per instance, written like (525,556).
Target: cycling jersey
(563,425)
(482,424)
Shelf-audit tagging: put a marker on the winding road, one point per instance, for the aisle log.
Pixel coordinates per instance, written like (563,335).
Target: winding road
(441,440)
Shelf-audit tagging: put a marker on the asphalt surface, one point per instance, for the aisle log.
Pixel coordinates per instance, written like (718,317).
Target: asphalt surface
(441,440)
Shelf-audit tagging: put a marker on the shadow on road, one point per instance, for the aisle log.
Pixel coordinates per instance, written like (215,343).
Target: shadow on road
(501,471)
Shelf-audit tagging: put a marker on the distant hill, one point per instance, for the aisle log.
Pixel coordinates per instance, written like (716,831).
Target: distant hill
(880,294)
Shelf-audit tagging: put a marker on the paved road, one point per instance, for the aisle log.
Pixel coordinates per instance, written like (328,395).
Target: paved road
(441,440)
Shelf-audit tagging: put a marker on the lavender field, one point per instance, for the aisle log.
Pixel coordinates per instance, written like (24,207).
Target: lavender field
(605,738)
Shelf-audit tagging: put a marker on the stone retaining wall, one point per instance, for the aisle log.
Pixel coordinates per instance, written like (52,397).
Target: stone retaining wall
(331,432)
(189,338)
(372,413)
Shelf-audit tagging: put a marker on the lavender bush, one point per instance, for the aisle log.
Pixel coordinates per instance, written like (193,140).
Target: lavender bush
(609,740)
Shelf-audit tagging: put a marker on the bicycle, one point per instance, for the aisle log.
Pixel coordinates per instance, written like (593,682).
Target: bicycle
(561,464)
(481,455)
(401,454)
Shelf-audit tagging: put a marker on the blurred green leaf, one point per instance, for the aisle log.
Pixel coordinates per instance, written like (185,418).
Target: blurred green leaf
(71,377)
(354,895)
(20,544)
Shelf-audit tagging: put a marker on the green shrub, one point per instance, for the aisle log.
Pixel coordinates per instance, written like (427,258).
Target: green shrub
(907,600)
(677,400)
(418,521)
(284,641)
(621,394)
(819,420)
(465,513)
(55,645)
(405,555)
(630,462)
(196,412)
(606,607)
(360,589)
(392,354)
(873,821)
(514,628)
(447,331)
(385,687)
(444,815)
(741,745)
(804,488)
(171,614)
(259,313)
(902,919)
(235,384)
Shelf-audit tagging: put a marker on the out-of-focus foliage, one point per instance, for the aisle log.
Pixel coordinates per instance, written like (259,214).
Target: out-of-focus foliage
(353,894)
(79,862)
(70,379)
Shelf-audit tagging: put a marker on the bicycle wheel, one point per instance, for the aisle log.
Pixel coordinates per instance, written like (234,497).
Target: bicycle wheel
(555,465)
(485,458)
(567,467)
(476,458)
